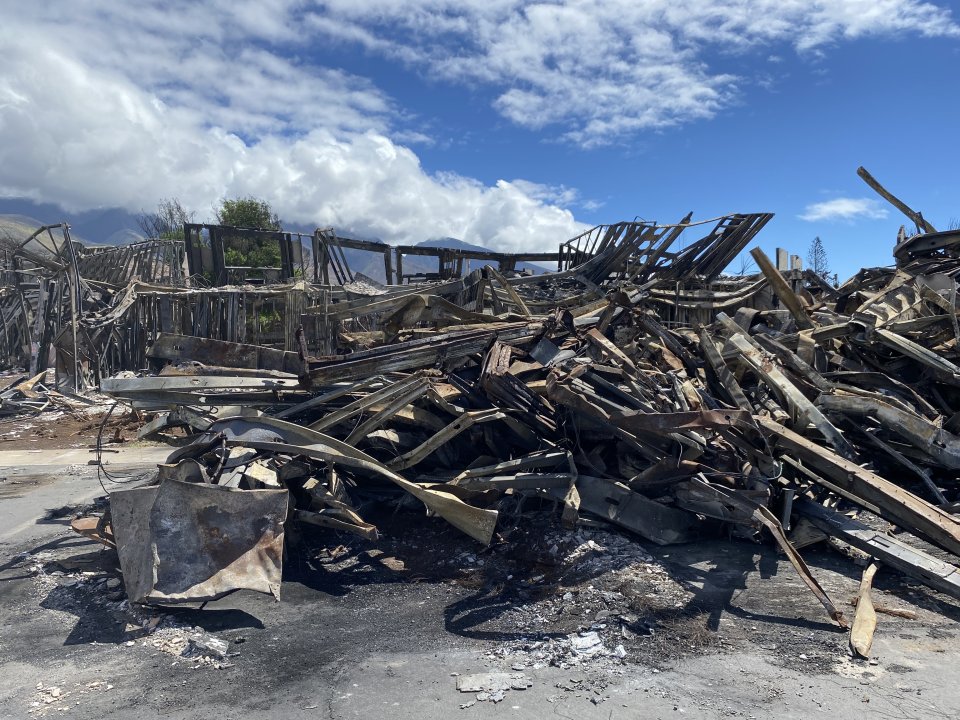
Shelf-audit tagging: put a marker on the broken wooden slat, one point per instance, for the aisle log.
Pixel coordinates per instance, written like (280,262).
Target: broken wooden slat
(865,619)
(783,290)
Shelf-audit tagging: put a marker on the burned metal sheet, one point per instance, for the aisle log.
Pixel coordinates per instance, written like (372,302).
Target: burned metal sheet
(658,523)
(270,434)
(188,542)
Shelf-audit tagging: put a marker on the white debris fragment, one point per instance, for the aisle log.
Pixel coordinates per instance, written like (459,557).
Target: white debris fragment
(207,645)
(587,643)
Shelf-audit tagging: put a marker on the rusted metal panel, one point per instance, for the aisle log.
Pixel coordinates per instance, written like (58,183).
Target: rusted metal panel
(178,348)
(187,542)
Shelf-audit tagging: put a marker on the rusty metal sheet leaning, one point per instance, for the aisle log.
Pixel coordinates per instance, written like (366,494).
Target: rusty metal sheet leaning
(188,542)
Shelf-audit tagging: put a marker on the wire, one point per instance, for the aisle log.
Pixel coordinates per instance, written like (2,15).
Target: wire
(779,471)
(102,472)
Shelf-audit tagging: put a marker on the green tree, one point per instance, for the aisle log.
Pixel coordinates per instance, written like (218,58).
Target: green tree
(247,212)
(167,222)
(249,250)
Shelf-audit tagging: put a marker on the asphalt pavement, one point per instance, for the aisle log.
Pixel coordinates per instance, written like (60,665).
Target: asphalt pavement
(374,646)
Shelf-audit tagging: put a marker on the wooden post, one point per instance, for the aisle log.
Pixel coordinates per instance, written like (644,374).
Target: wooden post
(922,225)
(783,290)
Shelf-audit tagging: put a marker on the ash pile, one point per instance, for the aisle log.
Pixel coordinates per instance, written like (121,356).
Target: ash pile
(635,387)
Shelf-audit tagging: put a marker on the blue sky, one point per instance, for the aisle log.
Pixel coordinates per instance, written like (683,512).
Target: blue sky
(507,124)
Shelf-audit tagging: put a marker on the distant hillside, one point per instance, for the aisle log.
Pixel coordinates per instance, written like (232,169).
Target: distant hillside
(122,237)
(371,263)
(106,226)
(14,229)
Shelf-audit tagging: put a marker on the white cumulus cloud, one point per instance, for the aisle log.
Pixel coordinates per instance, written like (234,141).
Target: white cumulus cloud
(107,104)
(600,70)
(132,110)
(844,209)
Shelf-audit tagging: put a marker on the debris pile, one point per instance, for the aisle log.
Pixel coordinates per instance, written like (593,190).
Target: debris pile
(21,394)
(633,388)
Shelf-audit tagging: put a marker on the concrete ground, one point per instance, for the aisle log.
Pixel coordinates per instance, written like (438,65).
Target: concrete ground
(366,642)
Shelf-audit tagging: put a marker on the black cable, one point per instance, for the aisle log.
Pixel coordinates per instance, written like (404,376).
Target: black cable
(101,470)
